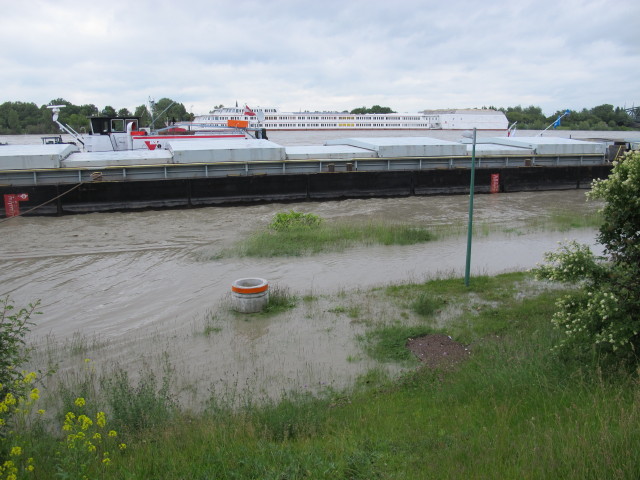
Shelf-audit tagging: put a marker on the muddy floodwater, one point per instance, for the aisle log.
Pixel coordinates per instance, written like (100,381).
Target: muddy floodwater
(134,288)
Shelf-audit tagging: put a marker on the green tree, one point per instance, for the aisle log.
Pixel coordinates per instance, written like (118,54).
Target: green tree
(604,112)
(373,109)
(124,112)
(88,110)
(379,109)
(13,121)
(143,113)
(78,122)
(109,111)
(164,111)
(359,111)
(20,117)
(604,314)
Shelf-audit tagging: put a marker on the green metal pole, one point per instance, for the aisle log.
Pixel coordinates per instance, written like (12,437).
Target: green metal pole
(467,268)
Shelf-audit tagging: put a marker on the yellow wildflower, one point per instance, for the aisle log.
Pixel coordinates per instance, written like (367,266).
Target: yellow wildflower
(112,433)
(41,412)
(85,422)
(101,419)
(15,451)
(122,446)
(35,394)
(79,402)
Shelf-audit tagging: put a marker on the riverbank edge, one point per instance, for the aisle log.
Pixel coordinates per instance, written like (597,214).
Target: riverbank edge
(513,408)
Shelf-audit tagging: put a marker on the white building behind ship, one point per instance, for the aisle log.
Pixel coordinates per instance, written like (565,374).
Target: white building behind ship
(466,119)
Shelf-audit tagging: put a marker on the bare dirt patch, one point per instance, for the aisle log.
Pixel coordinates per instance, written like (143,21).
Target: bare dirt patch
(438,351)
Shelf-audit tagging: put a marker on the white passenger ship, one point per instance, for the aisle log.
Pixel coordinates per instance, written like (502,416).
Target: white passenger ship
(273,119)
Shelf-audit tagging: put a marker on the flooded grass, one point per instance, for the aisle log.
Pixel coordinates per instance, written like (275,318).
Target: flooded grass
(280,300)
(212,324)
(556,220)
(512,410)
(335,236)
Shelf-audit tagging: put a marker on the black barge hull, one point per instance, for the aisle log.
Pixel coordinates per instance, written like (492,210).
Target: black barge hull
(105,196)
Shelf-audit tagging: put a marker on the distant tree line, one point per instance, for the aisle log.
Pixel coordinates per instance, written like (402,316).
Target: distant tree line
(602,117)
(373,109)
(24,117)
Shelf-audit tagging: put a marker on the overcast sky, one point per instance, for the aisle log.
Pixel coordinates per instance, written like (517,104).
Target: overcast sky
(322,55)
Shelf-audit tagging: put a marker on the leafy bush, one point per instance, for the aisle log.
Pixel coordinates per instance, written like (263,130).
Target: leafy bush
(14,326)
(605,312)
(292,220)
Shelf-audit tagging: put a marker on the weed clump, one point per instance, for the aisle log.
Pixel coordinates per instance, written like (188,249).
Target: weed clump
(294,220)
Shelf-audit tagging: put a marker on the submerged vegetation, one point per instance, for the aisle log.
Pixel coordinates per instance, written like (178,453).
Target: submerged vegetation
(295,234)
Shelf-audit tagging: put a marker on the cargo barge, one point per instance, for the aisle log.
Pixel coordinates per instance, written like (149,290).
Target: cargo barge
(118,167)
(59,179)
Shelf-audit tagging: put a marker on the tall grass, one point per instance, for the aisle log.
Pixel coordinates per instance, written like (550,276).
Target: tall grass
(329,237)
(336,236)
(562,220)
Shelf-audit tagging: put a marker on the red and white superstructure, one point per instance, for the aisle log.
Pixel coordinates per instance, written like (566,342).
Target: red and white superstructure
(112,134)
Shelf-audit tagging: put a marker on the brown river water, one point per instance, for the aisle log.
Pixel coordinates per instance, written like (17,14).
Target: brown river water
(141,288)
(135,288)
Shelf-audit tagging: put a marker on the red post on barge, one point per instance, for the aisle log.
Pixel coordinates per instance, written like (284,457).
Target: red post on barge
(12,203)
(495,183)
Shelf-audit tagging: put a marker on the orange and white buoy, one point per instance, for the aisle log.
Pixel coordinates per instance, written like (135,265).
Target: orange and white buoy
(250,295)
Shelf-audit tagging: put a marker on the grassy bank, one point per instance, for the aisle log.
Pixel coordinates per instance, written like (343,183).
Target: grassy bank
(512,410)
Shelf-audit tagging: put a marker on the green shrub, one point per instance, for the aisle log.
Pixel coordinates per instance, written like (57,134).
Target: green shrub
(605,313)
(293,220)
(14,326)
